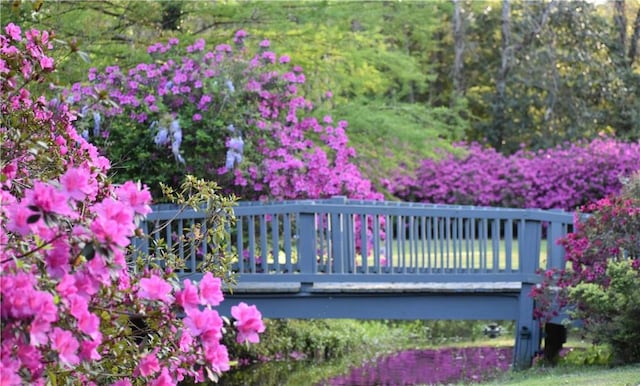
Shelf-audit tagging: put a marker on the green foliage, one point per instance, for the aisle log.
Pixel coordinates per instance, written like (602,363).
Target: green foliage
(392,135)
(612,313)
(200,195)
(594,355)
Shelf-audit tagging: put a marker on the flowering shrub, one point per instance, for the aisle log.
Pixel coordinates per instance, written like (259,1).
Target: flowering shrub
(559,178)
(67,293)
(602,279)
(223,115)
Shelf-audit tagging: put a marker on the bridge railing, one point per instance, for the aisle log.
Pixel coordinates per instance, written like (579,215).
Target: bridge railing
(369,241)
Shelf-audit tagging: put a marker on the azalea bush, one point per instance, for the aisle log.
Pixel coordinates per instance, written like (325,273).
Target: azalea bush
(601,282)
(228,114)
(69,292)
(564,177)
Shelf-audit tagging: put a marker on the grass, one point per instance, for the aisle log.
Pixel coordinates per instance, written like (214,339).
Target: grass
(451,255)
(574,375)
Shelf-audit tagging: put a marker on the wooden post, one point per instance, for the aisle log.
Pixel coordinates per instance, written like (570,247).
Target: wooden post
(528,329)
(338,226)
(307,243)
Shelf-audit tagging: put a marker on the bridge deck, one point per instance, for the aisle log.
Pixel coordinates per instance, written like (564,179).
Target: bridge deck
(372,288)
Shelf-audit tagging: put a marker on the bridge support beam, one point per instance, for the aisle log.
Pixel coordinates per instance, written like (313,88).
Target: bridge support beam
(528,333)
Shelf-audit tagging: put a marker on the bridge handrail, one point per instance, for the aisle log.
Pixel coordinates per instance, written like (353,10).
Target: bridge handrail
(326,237)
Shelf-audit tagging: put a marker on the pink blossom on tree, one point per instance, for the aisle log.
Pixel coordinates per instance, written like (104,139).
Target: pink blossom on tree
(248,322)
(155,288)
(211,289)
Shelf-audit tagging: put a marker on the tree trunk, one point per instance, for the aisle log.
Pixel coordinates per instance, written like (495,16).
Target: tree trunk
(635,37)
(458,47)
(620,22)
(501,78)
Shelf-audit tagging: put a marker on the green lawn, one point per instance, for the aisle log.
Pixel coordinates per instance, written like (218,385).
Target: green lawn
(464,254)
(421,254)
(575,376)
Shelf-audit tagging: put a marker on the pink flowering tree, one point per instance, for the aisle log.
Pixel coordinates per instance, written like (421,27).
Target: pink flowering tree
(68,293)
(226,115)
(601,283)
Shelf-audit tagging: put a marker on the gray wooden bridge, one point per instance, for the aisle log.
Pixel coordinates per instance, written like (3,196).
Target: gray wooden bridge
(339,258)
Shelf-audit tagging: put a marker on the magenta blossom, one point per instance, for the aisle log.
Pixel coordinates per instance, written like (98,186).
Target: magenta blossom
(211,290)
(155,288)
(248,322)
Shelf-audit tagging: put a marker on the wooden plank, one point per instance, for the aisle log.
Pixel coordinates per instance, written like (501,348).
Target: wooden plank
(414,287)
(374,288)
(263,287)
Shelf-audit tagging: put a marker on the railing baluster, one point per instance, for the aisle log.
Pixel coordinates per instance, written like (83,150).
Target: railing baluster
(252,243)
(287,241)
(364,247)
(240,243)
(275,242)
(441,240)
(388,252)
(264,240)
(484,244)
(495,240)
(376,243)
(508,245)
(447,224)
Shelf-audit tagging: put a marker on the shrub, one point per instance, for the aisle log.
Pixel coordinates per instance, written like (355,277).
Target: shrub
(601,283)
(68,296)
(565,177)
(224,115)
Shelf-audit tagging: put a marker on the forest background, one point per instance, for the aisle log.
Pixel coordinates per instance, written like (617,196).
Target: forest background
(410,78)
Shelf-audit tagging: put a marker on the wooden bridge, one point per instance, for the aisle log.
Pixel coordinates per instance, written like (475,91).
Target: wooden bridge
(339,258)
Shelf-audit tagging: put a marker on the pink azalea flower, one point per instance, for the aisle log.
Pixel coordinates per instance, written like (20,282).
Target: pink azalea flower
(218,358)
(211,289)
(46,63)
(31,357)
(164,379)
(88,349)
(10,375)
(98,270)
(155,288)
(136,196)
(122,382)
(186,341)
(149,364)
(49,199)
(18,215)
(113,223)
(188,297)
(248,322)
(86,285)
(199,322)
(89,324)
(66,345)
(77,183)
(57,259)
(38,332)
(13,31)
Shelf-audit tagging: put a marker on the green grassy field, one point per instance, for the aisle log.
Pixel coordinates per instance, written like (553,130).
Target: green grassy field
(577,376)
(462,255)
(417,254)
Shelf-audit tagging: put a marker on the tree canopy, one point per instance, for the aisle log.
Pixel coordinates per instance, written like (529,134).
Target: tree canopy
(408,77)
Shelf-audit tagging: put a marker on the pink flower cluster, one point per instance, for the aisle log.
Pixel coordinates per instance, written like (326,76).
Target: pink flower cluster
(564,177)
(229,97)
(610,232)
(65,288)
